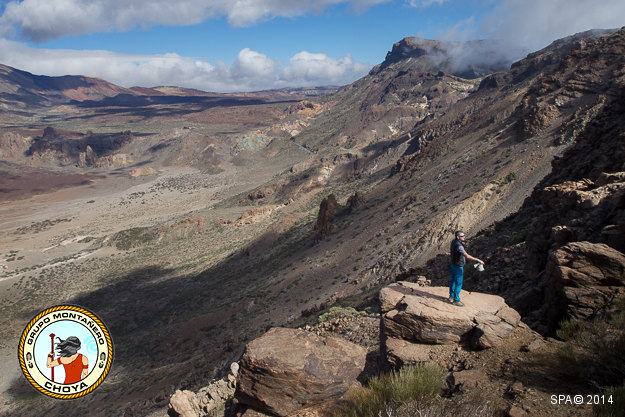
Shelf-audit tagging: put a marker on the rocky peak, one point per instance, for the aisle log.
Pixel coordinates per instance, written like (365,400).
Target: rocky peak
(456,58)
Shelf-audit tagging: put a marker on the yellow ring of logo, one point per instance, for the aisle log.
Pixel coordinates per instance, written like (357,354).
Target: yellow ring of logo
(24,366)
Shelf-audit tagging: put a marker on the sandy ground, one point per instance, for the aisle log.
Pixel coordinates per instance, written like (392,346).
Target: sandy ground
(54,226)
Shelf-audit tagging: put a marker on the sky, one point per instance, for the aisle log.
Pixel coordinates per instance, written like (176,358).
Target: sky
(252,45)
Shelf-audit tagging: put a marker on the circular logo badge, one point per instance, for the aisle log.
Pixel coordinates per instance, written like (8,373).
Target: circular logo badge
(65,352)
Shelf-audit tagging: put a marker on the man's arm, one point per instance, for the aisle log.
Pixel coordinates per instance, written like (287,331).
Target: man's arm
(472,258)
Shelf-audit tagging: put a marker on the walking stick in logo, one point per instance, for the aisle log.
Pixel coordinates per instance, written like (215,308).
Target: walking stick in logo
(81,374)
(52,353)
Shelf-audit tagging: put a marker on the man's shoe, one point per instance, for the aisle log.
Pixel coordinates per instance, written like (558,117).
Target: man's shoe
(451,300)
(459,303)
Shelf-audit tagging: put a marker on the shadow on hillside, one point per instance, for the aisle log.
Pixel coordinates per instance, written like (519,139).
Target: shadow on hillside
(169,329)
(127,100)
(545,371)
(161,106)
(157,319)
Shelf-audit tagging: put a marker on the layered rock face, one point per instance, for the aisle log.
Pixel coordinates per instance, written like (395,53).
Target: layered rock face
(587,275)
(286,370)
(415,318)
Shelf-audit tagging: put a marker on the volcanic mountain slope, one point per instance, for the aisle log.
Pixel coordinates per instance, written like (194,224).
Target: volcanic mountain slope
(24,89)
(183,291)
(473,162)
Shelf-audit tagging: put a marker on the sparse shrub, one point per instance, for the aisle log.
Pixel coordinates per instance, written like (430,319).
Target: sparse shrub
(612,403)
(511,176)
(386,393)
(595,349)
(336,312)
(569,329)
(519,237)
(473,405)
(130,238)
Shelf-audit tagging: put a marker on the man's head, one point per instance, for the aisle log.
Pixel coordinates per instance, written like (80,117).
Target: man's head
(459,234)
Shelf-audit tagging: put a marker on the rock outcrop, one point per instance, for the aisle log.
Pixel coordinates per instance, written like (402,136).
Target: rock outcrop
(413,314)
(189,404)
(327,210)
(286,370)
(142,171)
(587,276)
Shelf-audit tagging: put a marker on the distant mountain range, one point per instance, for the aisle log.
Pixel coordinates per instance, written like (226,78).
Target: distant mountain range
(19,88)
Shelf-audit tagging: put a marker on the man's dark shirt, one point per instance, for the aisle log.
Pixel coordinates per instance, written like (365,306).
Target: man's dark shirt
(457,253)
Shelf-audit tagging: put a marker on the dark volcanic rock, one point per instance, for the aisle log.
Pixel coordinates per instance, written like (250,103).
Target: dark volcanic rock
(327,210)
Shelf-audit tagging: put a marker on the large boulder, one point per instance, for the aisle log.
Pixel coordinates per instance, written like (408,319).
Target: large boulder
(286,370)
(586,276)
(423,315)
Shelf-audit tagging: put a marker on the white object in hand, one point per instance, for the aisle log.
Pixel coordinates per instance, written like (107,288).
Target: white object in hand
(479,267)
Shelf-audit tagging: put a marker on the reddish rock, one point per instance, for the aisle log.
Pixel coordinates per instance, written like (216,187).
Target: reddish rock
(287,370)
(470,378)
(327,210)
(400,352)
(423,315)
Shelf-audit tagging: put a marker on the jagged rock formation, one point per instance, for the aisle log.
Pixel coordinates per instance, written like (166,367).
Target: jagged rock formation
(355,202)
(213,397)
(560,256)
(286,370)
(423,316)
(83,150)
(327,211)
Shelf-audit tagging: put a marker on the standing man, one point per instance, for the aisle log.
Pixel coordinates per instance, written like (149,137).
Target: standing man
(459,258)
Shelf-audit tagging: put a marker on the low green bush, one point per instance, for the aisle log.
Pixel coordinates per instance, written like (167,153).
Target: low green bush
(570,329)
(388,392)
(337,312)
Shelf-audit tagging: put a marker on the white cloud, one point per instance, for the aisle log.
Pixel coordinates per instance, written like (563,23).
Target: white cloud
(251,64)
(517,27)
(41,20)
(251,71)
(529,25)
(424,3)
(312,69)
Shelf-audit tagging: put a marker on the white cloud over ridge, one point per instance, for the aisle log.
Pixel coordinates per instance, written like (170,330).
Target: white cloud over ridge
(515,28)
(251,71)
(534,24)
